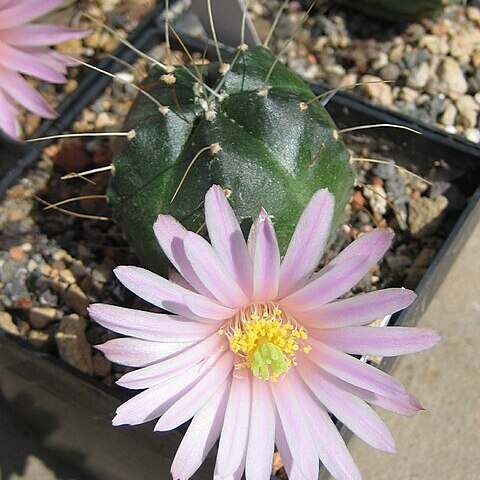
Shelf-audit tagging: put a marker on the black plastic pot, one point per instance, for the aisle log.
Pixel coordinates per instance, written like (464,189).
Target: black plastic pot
(72,414)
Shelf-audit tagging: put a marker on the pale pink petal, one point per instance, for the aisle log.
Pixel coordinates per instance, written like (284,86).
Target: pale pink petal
(329,444)
(56,60)
(358,310)
(266,261)
(297,432)
(187,406)
(23,12)
(148,325)
(308,242)
(385,342)
(252,236)
(201,435)
(8,115)
(262,432)
(39,35)
(170,235)
(25,94)
(352,370)
(227,238)
(405,404)
(328,286)
(158,372)
(374,244)
(156,290)
(402,403)
(347,408)
(152,403)
(233,440)
(16,59)
(176,278)
(135,352)
(290,464)
(215,276)
(208,308)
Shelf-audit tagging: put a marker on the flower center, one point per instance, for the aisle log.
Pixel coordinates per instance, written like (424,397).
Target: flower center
(265,339)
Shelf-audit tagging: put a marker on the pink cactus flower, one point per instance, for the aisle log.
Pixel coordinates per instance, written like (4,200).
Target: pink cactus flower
(256,348)
(24,49)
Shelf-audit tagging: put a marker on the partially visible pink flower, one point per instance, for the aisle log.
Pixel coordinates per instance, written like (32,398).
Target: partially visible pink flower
(24,49)
(257,348)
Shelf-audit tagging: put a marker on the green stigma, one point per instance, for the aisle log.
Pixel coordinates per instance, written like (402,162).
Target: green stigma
(268,358)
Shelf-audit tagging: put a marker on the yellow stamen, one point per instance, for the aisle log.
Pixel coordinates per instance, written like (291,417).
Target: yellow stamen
(266,340)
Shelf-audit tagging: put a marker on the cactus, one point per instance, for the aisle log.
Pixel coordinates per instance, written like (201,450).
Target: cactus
(399,11)
(256,137)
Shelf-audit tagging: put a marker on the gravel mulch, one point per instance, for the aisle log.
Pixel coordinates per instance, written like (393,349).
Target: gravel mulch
(433,65)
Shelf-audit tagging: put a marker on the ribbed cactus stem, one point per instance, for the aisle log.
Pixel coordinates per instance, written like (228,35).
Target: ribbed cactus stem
(248,127)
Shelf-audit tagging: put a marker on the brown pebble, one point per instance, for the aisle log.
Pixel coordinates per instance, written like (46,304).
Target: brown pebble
(72,157)
(17,253)
(24,303)
(103,157)
(358,200)
(76,299)
(72,343)
(7,324)
(40,317)
(377,181)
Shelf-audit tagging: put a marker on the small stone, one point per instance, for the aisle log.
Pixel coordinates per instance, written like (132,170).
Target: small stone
(101,366)
(468,110)
(415,31)
(408,94)
(40,317)
(419,76)
(473,13)
(378,91)
(390,72)
(70,86)
(424,215)
(72,157)
(463,44)
(377,198)
(472,134)
(436,45)
(38,339)
(358,201)
(104,119)
(476,59)
(7,324)
(448,117)
(67,276)
(451,73)
(396,53)
(76,299)
(380,61)
(72,343)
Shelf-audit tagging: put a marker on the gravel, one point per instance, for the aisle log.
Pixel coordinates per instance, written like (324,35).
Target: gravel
(434,64)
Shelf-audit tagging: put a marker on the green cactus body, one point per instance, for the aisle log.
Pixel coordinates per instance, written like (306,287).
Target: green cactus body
(399,10)
(272,151)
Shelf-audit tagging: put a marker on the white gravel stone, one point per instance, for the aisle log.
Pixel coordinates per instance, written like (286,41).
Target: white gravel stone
(468,110)
(451,73)
(419,76)
(449,115)
(473,134)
